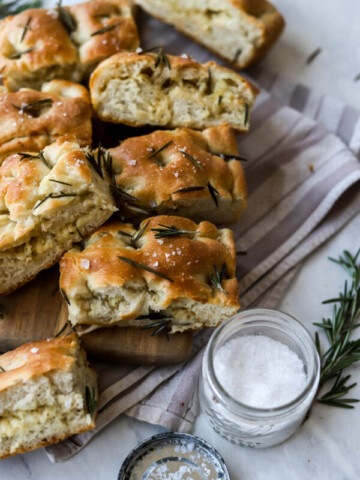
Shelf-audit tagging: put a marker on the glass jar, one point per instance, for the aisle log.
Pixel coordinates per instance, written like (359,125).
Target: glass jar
(240,423)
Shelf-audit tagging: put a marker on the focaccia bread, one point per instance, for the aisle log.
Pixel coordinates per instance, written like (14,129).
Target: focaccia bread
(240,31)
(180,172)
(47,392)
(163,90)
(171,274)
(38,45)
(48,201)
(31,120)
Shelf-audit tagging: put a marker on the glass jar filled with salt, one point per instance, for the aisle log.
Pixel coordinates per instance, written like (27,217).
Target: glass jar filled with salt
(259,377)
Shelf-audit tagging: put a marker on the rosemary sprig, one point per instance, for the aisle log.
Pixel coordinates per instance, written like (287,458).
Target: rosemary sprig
(59,181)
(214,193)
(26,27)
(52,195)
(105,29)
(313,55)
(90,399)
(225,156)
(137,209)
(162,59)
(17,55)
(65,297)
(166,231)
(159,322)
(189,189)
(39,156)
(209,82)
(217,278)
(343,352)
(145,267)
(62,330)
(139,234)
(159,150)
(13,8)
(65,18)
(35,107)
(196,163)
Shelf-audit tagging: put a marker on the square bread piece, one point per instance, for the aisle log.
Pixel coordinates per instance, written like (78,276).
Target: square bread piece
(240,31)
(181,172)
(38,45)
(171,274)
(48,201)
(163,90)
(31,120)
(47,392)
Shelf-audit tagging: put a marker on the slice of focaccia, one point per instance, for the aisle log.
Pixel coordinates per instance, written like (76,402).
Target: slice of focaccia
(48,201)
(38,45)
(240,31)
(171,274)
(180,172)
(163,90)
(47,392)
(31,120)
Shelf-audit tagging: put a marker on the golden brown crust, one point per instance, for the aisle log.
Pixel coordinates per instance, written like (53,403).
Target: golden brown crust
(68,112)
(51,52)
(154,180)
(187,261)
(37,358)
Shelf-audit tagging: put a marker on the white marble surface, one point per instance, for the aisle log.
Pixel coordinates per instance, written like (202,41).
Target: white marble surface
(327,447)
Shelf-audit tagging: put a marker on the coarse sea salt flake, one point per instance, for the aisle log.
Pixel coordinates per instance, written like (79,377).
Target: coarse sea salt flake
(85,263)
(34,350)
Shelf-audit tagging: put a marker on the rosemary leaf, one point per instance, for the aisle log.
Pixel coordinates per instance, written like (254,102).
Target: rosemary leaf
(217,277)
(17,55)
(209,83)
(62,330)
(188,189)
(196,163)
(145,267)
(139,234)
(2,370)
(13,8)
(126,234)
(65,297)
(26,27)
(58,181)
(52,195)
(214,193)
(108,28)
(225,156)
(313,55)
(162,59)
(237,55)
(220,99)
(90,400)
(246,114)
(65,18)
(156,152)
(35,107)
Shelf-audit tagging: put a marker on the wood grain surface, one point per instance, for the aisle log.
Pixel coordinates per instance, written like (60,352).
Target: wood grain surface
(37,311)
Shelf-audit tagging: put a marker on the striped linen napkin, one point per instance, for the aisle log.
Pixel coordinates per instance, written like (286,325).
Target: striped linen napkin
(303,177)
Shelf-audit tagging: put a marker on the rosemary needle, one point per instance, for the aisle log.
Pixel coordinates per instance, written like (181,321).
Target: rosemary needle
(145,267)
(313,55)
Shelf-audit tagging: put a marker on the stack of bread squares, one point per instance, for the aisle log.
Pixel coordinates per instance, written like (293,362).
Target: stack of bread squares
(140,229)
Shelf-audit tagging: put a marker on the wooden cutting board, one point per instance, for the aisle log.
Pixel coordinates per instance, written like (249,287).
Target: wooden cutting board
(37,311)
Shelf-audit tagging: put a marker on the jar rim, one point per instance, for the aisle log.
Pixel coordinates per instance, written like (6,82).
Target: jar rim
(268,316)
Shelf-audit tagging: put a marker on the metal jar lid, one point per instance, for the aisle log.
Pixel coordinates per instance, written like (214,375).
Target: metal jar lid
(176,456)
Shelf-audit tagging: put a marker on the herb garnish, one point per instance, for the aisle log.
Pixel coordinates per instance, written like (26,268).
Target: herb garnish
(13,8)
(225,156)
(139,234)
(58,181)
(17,55)
(236,56)
(196,163)
(105,29)
(342,352)
(39,156)
(121,232)
(209,82)
(162,59)
(313,55)
(26,27)
(2,370)
(80,234)
(357,77)
(65,18)
(214,193)
(156,152)
(246,114)
(220,99)
(65,296)
(188,189)
(62,330)
(144,267)
(34,107)
(166,231)
(137,209)
(90,399)
(159,322)
(217,277)
(52,195)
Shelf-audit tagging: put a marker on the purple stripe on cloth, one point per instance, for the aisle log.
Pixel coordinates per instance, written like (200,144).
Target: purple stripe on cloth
(263,112)
(273,239)
(347,124)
